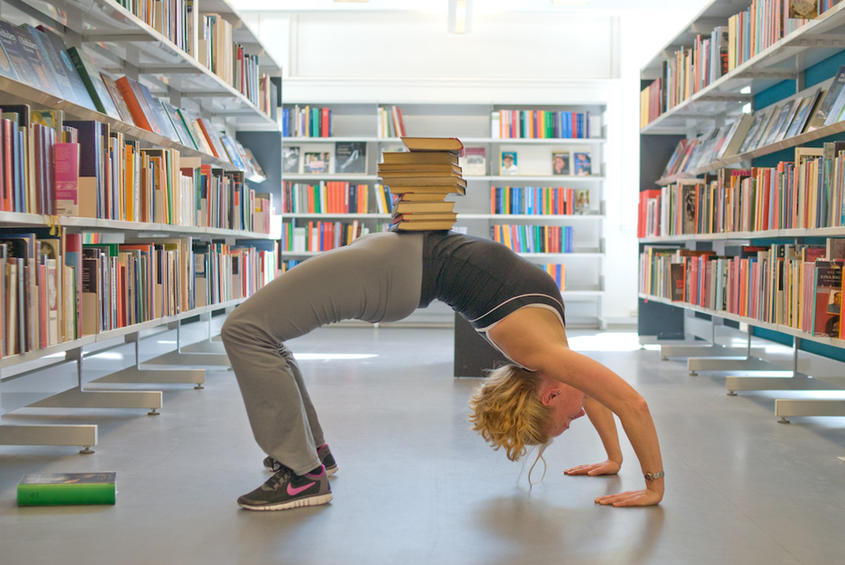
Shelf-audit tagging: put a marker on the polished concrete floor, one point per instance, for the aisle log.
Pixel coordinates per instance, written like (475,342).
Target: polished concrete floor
(416,486)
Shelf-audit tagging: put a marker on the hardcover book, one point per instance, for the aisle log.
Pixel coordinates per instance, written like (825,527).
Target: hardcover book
(80,92)
(561,163)
(828,301)
(52,489)
(350,157)
(316,162)
(582,163)
(508,163)
(820,117)
(93,83)
(473,161)
(290,159)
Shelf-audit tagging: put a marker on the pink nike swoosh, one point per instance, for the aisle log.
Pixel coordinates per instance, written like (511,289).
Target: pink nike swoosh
(295,491)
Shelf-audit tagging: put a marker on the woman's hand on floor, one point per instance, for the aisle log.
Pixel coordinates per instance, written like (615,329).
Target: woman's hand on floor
(645,497)
(595,469)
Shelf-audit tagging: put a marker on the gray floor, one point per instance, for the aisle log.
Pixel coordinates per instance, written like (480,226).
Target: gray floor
(416,486)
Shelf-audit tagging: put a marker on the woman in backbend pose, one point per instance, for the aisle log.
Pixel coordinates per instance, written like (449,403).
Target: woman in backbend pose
(385,277)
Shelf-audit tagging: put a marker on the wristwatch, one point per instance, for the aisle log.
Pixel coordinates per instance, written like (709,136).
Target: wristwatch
(653,476)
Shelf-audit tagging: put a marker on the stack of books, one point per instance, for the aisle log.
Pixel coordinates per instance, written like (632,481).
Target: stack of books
(421,178)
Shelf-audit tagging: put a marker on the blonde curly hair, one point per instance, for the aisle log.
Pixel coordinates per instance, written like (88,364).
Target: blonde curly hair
(507,411)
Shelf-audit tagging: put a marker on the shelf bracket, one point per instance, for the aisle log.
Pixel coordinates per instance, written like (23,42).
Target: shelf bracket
(146,375)
(207,354)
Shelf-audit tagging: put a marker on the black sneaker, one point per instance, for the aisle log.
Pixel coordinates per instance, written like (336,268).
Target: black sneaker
(285,490)
(323,452)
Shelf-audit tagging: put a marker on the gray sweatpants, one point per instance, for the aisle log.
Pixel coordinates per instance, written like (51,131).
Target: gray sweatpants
(376,278)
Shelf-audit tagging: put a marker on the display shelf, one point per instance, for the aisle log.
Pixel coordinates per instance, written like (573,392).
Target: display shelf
(305,215)
(308,177)
(749,321)
(789,143)
(11,360)
(465,140)
(534,217)
(98,224)
(117,35)
(471,123)
(12,91)
(762,234)
(806,46)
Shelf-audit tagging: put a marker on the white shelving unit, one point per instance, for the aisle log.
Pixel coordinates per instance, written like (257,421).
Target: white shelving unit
(120,43)
(788,59)
(471,123)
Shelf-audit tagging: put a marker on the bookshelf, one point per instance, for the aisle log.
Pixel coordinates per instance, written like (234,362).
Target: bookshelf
(799,60)
(364,124)
(185,269)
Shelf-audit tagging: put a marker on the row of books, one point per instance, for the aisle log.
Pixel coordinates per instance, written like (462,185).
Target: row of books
(323,236)
(336,197)
(541,200)
(81,168)
(174,19)
(208,38)
(692,68)
(807,193)
(799,286)
(815,109)
(534,239)
(541,124)
(391,122)
(347,157)
(558,272)
(763,24)
(306,121)
(55,288)
(39,57)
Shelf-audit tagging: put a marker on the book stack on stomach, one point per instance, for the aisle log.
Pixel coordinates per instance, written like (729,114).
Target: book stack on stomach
(421,178)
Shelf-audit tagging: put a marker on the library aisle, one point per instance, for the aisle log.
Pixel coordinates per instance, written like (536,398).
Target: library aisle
(415,485)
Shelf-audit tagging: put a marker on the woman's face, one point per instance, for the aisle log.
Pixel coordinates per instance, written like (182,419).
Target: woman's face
(567,405)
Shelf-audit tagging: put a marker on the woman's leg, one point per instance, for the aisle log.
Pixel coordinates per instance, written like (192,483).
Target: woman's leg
(376,278)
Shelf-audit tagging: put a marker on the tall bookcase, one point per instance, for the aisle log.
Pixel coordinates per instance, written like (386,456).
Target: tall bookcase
(120,42)
(799,59)
(475,125)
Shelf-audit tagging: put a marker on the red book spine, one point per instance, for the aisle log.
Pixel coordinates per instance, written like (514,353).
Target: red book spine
(133,103)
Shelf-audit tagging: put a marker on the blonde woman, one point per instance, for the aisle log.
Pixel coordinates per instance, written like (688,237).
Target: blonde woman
(385,277)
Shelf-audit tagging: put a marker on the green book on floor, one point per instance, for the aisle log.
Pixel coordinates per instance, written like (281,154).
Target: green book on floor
(53,489)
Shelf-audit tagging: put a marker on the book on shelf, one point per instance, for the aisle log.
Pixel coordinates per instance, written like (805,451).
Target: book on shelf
(290,159)
(350,157)
(63,72)
(534,239)
(805,110)
(316,162)
(582,163)
(532,200)
(119,102)
(93,82)
(561,161)
(828,102)
(735,136)
(25,57)
(391,122)
(58,489)
(508,163)
(473,161)
(828,298)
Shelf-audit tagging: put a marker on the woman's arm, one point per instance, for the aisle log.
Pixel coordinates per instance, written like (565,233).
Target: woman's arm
(602,420)
(608,388)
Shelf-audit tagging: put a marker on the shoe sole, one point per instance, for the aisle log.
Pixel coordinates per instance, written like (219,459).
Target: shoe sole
(299,503)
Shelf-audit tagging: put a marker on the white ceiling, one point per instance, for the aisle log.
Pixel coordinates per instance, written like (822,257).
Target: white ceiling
(477,6)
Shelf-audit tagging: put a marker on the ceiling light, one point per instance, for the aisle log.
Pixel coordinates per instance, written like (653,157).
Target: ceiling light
(459,16)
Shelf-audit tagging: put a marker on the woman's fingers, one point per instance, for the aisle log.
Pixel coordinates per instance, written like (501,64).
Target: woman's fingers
(630,498)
